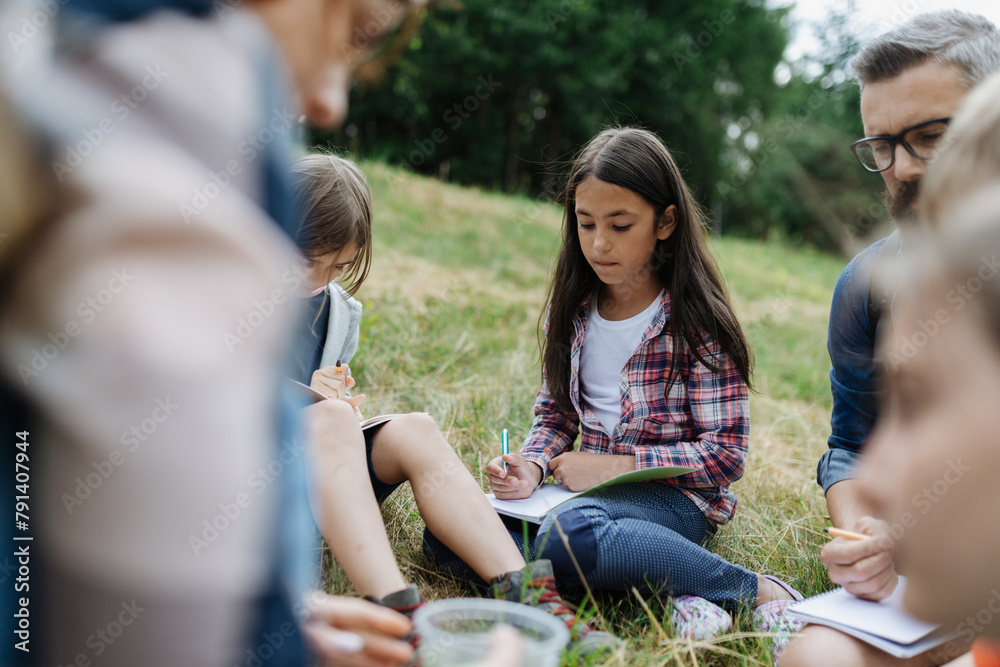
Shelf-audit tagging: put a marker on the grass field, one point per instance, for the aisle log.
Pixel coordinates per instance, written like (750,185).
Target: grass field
(450,327)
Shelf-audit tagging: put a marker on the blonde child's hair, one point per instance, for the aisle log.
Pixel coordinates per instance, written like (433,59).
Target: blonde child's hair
(959,255)
(971,157)
(336,211)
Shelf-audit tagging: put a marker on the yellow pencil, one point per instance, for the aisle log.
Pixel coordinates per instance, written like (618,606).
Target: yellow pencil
(846,534)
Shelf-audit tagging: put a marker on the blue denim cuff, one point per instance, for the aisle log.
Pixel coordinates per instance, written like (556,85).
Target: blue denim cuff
(836,465)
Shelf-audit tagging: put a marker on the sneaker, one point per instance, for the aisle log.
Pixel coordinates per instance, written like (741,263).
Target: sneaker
(771,618)
(698,619)
(406,601)
(535,586)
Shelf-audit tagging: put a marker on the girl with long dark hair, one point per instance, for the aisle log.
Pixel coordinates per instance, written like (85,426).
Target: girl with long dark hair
(645,360)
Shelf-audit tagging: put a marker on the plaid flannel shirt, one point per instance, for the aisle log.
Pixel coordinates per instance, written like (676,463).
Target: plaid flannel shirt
(703,424)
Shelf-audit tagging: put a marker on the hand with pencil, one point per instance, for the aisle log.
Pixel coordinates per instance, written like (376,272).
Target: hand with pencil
(334,382)
(862,560)
(512,476)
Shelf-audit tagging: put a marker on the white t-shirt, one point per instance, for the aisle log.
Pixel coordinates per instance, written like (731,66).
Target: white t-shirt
(607,346)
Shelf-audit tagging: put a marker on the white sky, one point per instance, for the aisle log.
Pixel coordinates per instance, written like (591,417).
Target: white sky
(870,17)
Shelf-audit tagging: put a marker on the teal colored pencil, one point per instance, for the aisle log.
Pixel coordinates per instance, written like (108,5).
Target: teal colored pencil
(506,447)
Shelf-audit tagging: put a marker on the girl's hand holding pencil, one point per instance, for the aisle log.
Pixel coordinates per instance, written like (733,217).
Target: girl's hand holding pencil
(334,382)
(519,480)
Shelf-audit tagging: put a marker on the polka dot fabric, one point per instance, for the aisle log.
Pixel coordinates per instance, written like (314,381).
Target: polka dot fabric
(646,535)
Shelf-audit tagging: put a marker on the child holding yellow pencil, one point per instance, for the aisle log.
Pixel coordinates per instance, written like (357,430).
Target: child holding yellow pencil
(357,469)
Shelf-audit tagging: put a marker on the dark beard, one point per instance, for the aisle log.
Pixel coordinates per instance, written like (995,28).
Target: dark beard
(902,205)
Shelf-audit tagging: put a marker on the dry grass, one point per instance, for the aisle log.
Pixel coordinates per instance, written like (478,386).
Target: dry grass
(451,311)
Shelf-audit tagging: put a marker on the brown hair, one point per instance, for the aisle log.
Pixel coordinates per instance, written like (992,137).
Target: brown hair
(336,211)
(637,160)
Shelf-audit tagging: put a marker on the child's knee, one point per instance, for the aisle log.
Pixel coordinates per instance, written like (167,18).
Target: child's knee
(570,545)
(418,425)
(331,416)
(414,436)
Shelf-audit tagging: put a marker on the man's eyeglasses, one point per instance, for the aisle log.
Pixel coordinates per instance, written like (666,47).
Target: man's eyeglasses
(921,141)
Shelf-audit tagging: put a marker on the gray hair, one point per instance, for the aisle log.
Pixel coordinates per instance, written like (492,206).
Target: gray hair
(949,36)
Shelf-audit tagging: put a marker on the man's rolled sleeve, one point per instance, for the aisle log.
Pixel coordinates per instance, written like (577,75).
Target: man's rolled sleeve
(854,376)
(836,465)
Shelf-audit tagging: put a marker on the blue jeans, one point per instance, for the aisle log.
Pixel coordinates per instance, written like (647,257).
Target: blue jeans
(646,535)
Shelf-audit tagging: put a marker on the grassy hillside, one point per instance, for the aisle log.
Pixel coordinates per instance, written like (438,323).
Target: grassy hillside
(451,314)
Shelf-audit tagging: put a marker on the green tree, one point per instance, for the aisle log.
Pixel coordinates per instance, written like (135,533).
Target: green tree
(792,172)
(502,94)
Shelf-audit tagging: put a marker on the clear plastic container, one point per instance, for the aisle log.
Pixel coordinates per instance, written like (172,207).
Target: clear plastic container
(457,632)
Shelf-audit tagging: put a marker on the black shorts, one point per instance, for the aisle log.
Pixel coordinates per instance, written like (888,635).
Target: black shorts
(382,490)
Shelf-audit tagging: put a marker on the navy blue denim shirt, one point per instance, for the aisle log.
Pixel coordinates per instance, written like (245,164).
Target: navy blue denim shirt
(854,379)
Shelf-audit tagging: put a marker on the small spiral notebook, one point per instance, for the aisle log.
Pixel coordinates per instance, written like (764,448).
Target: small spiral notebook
(885,625)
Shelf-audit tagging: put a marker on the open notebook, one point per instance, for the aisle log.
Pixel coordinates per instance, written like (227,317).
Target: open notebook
(549,496)
(884,625)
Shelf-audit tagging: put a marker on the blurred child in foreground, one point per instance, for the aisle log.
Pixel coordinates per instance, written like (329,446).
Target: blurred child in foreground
(941,437)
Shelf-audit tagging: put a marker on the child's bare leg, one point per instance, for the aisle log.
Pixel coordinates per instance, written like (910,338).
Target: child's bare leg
(450,501)
(348,514)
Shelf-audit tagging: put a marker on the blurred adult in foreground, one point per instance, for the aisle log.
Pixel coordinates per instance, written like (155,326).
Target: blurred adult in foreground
(145,323)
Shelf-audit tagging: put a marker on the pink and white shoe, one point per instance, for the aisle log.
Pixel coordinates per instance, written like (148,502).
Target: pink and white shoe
(770,618)
(698,619)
